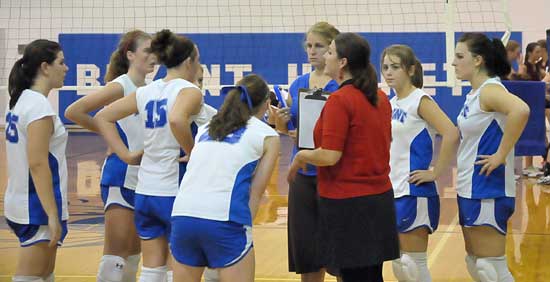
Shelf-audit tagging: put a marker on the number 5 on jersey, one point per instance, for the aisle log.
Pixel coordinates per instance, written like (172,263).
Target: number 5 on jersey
(156,113)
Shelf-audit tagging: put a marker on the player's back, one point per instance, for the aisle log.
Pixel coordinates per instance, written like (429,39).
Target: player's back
(159,172)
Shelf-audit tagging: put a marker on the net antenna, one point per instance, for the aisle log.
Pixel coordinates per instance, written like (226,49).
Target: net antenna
(507,22)
(450,41)
(473,16)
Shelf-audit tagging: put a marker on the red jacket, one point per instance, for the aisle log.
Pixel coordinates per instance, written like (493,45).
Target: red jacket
(362,132)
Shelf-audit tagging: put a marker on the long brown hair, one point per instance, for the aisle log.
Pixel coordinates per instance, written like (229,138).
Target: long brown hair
(235,111)
(119,64)
(357,51)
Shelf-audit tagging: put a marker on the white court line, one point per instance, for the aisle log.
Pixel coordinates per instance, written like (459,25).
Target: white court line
(441,244)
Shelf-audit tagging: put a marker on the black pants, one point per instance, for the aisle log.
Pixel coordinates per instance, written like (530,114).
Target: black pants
(371,273)
(303,226)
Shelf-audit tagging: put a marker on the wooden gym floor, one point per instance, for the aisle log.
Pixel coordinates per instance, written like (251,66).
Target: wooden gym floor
(528,240)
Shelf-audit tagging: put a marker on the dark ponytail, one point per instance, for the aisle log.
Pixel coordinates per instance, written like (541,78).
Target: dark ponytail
(501,64)
(356,50)
(236,111)
(367,82)
(493,53)
(119,64)
(24,70)
(172,49)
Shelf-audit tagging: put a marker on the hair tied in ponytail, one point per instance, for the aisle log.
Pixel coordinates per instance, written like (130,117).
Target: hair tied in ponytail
(494,44)
(127,46)
(244,93)
(23,63)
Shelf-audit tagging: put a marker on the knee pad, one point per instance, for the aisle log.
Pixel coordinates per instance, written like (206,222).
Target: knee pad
(486,270)
(27,279)
(471,266)
(157,274)
(405,268)
(211,275)
(111,269)
(132,265)
(169,276)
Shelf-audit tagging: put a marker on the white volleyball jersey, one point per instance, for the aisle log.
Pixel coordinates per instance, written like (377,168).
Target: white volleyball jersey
(205,115)
(21,202)
(216,185)
(412,146)
(116,172)
(160,170)
(480,134)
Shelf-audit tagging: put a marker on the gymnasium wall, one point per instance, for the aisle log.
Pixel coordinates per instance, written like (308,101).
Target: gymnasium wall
(235,37)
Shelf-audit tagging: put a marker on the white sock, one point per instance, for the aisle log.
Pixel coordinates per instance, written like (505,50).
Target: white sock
(421,260)
(405,269)
(500,266)
(157,274)
(211,275)
(131,269)
(169,276)
(50,278)
(27,279)
(111,269)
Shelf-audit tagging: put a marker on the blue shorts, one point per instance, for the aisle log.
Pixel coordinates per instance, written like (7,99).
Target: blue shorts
(115,195)
(30,234)
(489,212)
(414,212)
(152,216)
(203,242)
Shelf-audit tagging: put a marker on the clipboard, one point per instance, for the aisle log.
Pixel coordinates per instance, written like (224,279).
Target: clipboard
(310,105)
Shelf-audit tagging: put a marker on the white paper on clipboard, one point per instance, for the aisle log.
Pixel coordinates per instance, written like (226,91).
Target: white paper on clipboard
(310,105)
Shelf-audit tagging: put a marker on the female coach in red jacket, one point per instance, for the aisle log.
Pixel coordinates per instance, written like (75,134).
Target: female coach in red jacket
(352,139)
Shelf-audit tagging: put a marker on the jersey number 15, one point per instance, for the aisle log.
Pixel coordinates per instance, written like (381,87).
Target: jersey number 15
(156,113)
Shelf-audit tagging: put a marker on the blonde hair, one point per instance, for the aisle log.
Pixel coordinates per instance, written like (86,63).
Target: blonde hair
(512,45)
(327,31)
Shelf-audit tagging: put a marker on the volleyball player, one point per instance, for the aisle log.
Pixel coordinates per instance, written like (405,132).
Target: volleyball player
(166,108)
(35,202)
(128,66)
(228,171)
(416,118)
(490,123)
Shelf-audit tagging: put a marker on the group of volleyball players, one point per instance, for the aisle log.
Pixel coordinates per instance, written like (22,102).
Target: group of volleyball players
(182,183)
(150,130)
(489,125)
